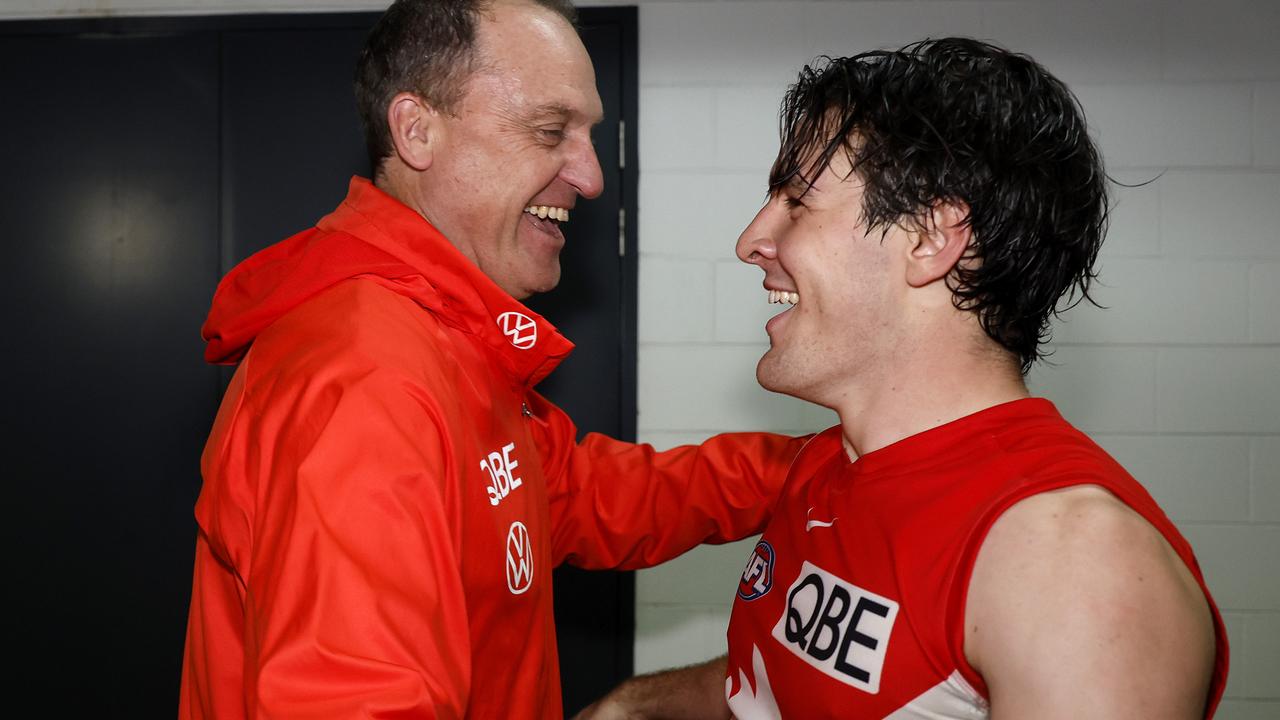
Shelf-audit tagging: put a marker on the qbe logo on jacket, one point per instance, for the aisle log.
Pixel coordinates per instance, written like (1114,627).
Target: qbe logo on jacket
(837,627)
(502,473)
(519,559)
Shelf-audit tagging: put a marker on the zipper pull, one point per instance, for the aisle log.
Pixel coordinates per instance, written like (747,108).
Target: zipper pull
(525,411)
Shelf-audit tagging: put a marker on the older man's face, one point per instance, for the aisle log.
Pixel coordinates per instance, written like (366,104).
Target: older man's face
(513,161)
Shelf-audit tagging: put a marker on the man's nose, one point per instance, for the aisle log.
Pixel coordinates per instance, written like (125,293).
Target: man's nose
(756,244)
(583,172)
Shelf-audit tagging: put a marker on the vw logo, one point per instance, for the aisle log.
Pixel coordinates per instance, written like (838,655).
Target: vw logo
(520,329)
(519,559)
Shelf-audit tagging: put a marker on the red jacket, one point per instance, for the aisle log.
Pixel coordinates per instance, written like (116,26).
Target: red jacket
(385,495)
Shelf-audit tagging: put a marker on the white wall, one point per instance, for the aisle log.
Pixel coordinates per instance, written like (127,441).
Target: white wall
(1180,378)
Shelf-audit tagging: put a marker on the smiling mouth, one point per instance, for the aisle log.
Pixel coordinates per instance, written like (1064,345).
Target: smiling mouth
(547,219)
(549,212)
(780,297)
(783,297)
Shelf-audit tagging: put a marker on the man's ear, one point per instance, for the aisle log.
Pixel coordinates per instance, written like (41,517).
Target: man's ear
(939,242)
(414,127)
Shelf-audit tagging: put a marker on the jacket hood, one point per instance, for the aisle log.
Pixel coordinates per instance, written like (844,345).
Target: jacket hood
(373,235)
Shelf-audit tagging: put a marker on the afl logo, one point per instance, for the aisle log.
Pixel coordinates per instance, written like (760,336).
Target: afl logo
(519,559)
(757,578)
(520,329)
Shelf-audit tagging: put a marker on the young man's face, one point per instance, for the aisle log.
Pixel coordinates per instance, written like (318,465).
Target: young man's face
(815,247)
(520,139)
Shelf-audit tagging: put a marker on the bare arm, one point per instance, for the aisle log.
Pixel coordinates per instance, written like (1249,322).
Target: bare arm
(689,693)
(1077,607)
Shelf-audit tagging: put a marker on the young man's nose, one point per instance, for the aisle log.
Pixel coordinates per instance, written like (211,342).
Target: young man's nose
(755,244)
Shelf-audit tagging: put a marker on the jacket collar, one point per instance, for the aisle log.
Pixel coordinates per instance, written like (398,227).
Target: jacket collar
(528,346)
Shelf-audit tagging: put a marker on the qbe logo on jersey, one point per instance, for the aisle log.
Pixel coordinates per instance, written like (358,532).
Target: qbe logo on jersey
(837,627)
(519,559)
(757,577)
(519,328)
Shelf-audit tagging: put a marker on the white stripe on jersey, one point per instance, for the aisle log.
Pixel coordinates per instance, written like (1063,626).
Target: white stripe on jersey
(951,699)
(758,705)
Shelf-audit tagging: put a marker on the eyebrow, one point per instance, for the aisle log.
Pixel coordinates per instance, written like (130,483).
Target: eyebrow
(556,109)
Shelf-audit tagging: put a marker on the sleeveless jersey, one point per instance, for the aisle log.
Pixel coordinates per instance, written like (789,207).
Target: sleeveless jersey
(852,603)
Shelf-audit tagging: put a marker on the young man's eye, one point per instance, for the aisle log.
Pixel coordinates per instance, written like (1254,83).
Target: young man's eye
(792,202)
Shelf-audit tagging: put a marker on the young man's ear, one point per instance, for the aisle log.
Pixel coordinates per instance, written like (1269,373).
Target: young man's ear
(414,126)
(939,243)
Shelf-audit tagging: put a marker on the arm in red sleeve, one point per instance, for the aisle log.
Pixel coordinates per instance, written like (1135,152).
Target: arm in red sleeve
(353,601)
(620,505)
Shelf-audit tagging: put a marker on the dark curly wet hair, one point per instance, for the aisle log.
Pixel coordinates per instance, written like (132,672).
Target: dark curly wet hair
(425,47)
(956,119)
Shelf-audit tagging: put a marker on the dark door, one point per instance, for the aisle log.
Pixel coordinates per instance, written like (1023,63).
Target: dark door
(109,147)
(142,159)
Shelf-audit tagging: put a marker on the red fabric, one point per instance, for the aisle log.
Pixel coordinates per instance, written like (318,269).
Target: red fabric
(371,470)
(907,523)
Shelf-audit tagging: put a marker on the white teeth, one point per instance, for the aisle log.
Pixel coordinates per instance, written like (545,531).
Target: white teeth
(778,297)
(548,211)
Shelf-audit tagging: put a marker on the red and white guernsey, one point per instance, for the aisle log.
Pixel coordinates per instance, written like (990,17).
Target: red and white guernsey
(852,603)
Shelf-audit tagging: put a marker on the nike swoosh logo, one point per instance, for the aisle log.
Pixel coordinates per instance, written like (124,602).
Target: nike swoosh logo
(811,524)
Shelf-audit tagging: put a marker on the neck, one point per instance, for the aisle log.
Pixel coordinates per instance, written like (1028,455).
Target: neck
(395,180)
(929,391)
(405,184)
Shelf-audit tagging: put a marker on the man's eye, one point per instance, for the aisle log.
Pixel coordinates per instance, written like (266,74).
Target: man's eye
(791,202)
(553,135)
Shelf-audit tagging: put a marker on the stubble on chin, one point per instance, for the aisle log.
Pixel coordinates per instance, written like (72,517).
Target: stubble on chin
(796,375)
(548,282)
(770,372)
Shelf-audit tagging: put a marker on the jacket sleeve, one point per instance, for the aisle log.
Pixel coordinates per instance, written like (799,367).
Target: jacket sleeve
(624,506)
(353,599)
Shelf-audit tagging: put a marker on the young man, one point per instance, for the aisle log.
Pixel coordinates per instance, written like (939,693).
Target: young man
(953,549)
(385,494)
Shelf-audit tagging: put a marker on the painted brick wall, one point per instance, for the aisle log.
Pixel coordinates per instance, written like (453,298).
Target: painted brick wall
(1180,378)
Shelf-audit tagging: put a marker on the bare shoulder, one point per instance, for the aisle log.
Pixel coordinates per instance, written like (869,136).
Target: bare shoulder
(1073,590)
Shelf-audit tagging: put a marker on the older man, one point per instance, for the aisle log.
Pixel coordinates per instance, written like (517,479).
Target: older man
(953,548)
(385,494)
